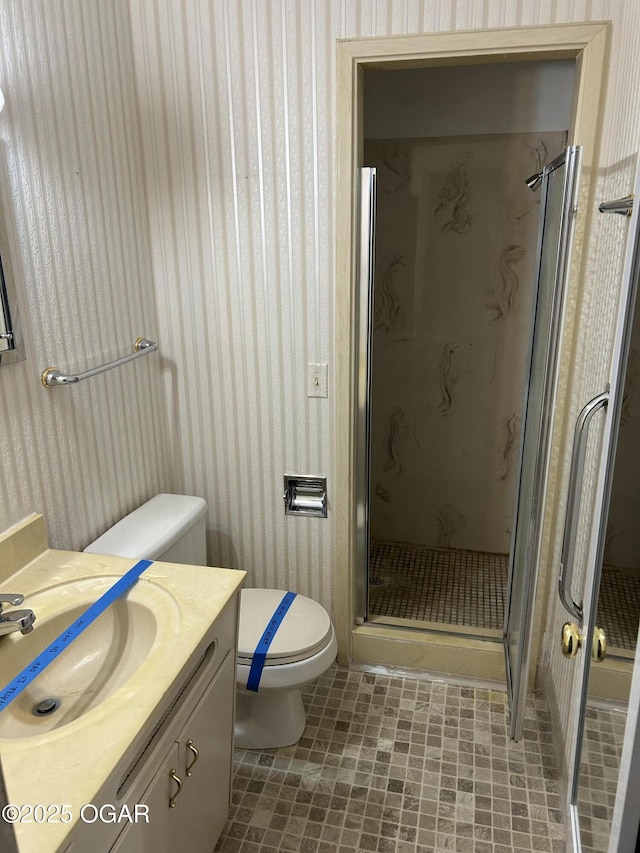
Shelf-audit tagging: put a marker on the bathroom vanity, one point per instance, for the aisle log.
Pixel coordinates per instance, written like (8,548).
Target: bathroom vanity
(173,787)
(145,763)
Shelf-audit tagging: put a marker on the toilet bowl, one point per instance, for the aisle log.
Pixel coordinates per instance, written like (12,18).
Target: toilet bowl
(270,712)
(304,645)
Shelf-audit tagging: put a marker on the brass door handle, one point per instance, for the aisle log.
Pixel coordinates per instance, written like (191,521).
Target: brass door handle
(598,645)
(173,775)
(572,641)
(196,755)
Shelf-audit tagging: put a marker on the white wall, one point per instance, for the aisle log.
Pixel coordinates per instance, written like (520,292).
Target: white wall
(73,201)
(521,97)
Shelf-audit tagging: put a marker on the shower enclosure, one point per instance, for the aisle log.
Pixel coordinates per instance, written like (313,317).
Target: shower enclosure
(459,328)
(454,295)
(433,435)
(484,108)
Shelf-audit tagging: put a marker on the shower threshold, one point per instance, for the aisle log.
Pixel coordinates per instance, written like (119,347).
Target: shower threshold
(443,629)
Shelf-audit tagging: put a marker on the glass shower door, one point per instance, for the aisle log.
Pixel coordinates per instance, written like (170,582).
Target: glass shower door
(557,217)
(624,820)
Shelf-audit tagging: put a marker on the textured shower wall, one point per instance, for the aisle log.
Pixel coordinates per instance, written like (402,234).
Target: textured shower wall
(238,117)
(73,202)
(456,244)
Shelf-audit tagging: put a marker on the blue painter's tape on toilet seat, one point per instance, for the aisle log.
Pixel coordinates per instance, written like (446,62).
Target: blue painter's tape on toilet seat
(260,653)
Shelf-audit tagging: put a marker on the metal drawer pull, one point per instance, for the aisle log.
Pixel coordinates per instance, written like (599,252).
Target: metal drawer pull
(173,775)
(196,755)
(576,474)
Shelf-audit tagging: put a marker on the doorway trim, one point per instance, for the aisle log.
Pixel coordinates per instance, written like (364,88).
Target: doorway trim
(587,44)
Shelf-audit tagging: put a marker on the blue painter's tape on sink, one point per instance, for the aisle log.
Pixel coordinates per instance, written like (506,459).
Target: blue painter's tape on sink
(24,678)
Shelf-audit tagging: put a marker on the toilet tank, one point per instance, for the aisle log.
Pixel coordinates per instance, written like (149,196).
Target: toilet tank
(168,527)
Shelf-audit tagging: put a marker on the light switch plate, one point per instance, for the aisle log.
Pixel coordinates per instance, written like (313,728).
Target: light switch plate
(317,380)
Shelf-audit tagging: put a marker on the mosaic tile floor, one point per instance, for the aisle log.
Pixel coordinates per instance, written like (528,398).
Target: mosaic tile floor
(469,588)
(400,765)
(599,768)
(437,584)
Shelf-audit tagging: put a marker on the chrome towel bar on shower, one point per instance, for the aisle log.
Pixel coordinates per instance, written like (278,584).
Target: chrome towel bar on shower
(624,206)
(51,376)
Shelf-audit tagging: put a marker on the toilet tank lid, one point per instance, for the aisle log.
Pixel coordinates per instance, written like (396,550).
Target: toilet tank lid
(150,530)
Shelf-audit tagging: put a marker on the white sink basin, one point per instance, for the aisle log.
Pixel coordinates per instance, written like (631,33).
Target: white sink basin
(96,664)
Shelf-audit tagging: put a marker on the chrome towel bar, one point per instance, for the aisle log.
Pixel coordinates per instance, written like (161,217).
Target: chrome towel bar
(624,206)
(51,376)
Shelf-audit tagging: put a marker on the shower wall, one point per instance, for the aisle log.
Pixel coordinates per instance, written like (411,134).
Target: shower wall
(456,242)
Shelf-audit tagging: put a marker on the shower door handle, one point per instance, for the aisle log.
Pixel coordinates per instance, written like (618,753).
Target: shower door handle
(576,474)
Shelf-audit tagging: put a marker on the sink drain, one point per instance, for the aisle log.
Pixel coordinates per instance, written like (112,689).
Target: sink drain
(45,706)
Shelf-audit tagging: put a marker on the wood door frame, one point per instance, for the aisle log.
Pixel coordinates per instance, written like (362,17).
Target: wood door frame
(586,43)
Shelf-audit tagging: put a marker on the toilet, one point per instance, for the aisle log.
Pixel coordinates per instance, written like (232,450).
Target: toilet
(284,640)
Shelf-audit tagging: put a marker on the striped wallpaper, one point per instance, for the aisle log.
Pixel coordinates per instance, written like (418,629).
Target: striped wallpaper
(76,236)
(206,217)
(238,124)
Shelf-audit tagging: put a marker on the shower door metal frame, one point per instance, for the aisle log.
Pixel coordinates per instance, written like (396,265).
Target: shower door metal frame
(365,277)
(529,508)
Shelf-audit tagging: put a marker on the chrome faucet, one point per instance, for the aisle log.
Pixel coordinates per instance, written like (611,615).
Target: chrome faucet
(15,620)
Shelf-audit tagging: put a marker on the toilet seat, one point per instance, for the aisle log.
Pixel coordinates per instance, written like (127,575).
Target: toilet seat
(304,631)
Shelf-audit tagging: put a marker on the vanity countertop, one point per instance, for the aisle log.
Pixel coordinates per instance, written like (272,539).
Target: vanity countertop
(69,765)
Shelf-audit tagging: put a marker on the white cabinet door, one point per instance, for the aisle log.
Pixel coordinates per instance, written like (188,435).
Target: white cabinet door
(163,826)
(189,796)
(206,747)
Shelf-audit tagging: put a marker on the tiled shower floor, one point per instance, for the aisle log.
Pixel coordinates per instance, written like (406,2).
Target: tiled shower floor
(469,588)
(400,765)
(445,585)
